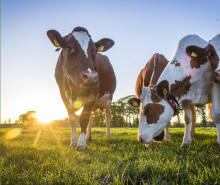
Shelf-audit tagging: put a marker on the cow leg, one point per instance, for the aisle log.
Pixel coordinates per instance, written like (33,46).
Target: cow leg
(88,135)
(108,115)
(84,119)
(193,109)
(188,119)
(167,134)
(73,123)
(215,110)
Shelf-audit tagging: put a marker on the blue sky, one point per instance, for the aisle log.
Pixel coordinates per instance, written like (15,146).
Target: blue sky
(139,29)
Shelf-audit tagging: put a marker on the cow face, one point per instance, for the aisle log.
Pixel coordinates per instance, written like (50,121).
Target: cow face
(211,52)
(78,55)
(155,113)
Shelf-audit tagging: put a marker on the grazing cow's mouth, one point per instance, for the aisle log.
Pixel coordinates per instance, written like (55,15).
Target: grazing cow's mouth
(88,86)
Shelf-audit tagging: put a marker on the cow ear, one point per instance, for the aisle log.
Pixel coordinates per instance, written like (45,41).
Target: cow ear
(104,44)
(134,102)
(55,38)
(163,88)
(195,51)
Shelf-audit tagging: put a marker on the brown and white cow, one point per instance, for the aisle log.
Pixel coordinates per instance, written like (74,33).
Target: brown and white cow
(214,51)
(85,79)
(149,76)
(188,78)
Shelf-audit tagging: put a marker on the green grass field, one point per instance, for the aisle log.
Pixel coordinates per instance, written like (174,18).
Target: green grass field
(48,159)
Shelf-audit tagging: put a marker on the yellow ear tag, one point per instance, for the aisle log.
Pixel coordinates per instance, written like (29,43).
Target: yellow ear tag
(135,104)
(100,48)
(193,54)
(164,91)
(56,42)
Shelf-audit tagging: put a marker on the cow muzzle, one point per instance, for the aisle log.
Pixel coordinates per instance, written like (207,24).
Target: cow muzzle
(89,79)
(145,139)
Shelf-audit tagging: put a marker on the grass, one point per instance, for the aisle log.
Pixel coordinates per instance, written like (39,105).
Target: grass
(49,159)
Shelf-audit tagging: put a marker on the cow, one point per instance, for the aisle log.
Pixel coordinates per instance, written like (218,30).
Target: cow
(188,78)
(85,79)
(149,76)
(214,45)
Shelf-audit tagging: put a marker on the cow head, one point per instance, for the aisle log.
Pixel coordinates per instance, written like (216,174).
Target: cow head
(211,52)
(155,113)
(78,55)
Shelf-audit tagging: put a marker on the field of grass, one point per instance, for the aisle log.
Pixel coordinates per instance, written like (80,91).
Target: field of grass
(41,155)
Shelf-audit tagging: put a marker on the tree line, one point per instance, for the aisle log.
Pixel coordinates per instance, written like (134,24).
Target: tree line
(123,115)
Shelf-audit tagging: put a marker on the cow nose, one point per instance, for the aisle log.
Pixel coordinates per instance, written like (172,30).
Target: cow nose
(89,78)
(140,139)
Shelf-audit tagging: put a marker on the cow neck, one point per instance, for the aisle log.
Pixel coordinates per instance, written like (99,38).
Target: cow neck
(69,80)
(171,100)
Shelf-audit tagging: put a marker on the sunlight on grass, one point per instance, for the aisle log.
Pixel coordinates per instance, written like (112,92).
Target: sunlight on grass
(38,135)
(121,157)
(12,133)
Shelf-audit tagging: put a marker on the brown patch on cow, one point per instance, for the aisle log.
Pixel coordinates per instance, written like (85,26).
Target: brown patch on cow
(162,85)
(153,111)
(175,62)
(180,87)
(196,63)
(212,55)
(202,54)
(200,59)
(154,96)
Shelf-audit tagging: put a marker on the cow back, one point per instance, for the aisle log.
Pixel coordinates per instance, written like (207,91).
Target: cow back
(150,74)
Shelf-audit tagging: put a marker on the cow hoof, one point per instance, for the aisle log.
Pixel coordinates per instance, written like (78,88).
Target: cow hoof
(89,139)
(80,148)
(73,144)
(185,145)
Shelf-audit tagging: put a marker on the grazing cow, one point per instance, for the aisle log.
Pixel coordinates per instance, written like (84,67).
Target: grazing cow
(214,51)
(188,78)
(149,76)
(85,79)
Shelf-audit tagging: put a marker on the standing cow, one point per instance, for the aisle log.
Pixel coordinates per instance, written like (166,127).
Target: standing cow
(188,78)
(215,44)
(149,76)
(85,79)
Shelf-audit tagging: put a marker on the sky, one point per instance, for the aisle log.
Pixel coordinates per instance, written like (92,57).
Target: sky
(138,28)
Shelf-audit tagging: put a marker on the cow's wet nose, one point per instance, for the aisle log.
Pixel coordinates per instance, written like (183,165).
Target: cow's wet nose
(89,78)
(140,139)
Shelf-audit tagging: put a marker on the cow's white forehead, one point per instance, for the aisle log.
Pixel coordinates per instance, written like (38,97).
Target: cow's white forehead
(83,39)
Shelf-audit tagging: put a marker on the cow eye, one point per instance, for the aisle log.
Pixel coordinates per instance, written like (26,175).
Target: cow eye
(68,48)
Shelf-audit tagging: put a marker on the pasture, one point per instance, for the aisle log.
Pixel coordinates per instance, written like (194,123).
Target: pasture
(41,155)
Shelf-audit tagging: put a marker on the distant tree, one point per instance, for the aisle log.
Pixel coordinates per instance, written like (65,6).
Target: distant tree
(117,120)
(98,118)
(121,108)
(28,118)
(202,113)
(180,109)
(5,122)
(16,121)
(9,120)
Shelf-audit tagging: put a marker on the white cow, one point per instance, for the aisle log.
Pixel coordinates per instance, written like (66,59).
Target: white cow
(188,78)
